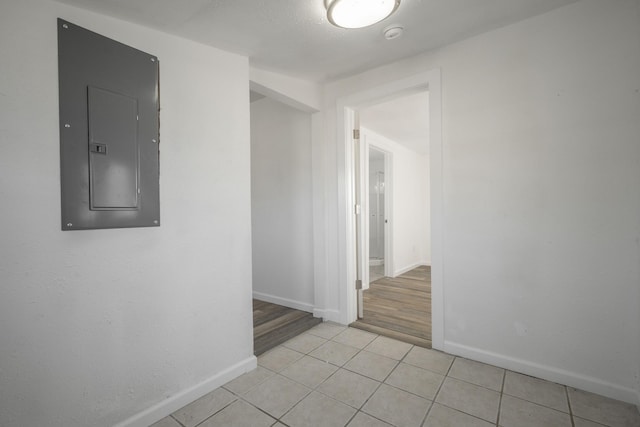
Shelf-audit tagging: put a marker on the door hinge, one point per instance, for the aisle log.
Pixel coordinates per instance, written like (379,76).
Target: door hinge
(356,209)
(356,134)
(358,284)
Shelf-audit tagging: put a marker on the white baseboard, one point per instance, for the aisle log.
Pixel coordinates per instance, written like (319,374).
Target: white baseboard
(548,373)
(298,305)
(173,403)
(408,268)
(327,315)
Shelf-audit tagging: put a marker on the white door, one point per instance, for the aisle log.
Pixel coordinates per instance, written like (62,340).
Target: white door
(359,197)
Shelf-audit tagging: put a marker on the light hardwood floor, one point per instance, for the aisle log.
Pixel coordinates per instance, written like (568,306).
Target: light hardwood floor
(274,324)
(400,307)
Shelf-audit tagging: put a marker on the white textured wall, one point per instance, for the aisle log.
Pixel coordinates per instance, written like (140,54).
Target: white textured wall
(541,160)
(281,211)
(98,326)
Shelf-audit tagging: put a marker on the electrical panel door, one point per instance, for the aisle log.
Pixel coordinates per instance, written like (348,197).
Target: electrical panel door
(109,126)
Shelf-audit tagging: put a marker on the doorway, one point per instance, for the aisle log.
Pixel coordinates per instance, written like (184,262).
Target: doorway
(396,300)
(281,221)
(346,119)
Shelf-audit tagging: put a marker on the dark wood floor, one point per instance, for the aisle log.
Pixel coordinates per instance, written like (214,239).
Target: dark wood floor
(274,324)
(400,307)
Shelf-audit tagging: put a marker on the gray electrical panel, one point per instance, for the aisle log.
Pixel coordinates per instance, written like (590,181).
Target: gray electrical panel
(109,132)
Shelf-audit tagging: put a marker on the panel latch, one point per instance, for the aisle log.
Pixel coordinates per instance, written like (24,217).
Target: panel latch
(98,148)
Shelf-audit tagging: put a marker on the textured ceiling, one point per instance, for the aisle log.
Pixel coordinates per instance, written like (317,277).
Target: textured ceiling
(293,37)
(404,120)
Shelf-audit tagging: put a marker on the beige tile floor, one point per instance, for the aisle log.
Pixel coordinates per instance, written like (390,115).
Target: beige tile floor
(338,376)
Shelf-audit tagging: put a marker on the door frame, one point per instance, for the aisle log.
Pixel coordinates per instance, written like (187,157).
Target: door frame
(346,121)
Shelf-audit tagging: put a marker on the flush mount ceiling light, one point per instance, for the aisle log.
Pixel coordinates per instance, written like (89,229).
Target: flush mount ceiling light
(359,13)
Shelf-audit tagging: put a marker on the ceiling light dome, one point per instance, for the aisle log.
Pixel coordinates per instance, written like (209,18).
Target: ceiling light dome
(359,13)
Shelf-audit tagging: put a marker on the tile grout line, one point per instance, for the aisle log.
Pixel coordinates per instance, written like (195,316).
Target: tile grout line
(351,419)
(483,387)
(294,405)
(431,370)
(379,383)
(374,379)
(264,412)
(253,386)
(374,417)
(370,396)
(174,418)
(332,397)
(538,404)
(278,420)
(566,393)
(435,396)
(504,379)
(305,353)
(217,412)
